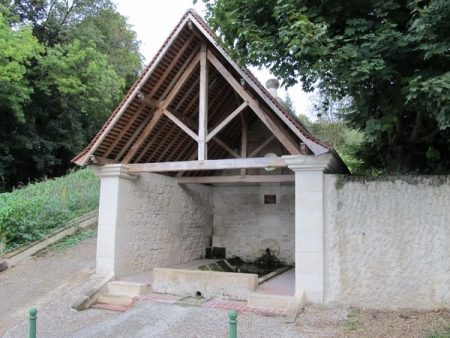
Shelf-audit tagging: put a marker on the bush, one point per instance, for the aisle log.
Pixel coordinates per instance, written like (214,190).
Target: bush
(30,213)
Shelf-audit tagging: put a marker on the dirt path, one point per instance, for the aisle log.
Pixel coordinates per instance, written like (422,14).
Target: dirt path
(43,278)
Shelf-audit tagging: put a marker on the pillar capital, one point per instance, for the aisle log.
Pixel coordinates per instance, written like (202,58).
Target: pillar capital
(113,170)
(311,162)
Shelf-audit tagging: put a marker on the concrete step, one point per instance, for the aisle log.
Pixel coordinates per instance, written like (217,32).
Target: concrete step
(268,301)
(135,289)
(115,298)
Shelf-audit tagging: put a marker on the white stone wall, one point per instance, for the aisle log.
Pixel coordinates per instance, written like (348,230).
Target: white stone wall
(387,241)
(242,222)
(154,223)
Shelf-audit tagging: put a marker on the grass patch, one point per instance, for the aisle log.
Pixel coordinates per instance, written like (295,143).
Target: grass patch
(352,324)
(444,333)
(28,214)
(73,240)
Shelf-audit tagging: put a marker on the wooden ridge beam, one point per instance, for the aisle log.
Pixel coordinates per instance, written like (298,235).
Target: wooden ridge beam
(237,179)
(239,163)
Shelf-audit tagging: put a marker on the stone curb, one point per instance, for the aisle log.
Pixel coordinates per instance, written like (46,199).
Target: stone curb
(91,296)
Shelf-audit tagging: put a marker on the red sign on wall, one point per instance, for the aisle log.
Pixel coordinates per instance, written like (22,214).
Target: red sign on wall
(270,199)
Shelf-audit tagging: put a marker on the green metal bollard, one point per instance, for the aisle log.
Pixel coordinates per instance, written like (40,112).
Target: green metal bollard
(33,316)
(233,323)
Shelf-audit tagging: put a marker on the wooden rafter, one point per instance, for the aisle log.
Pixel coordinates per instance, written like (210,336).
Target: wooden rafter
(158,114)
(282,128)
(149,127)
(94,159)
(172,64)
(226,147)
(168,99)
(147,99)
(134,136)
(238,163)
(124,129)
(171,143)
(194,55)
(273,127)
(227,120)
(188,92)
(155,137)
(261,146)
(237,179)
(180,124)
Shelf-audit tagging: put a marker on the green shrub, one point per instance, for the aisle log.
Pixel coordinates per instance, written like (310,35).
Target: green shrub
(29,213)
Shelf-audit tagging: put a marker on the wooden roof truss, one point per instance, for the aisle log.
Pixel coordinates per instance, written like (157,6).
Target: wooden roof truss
(190,112)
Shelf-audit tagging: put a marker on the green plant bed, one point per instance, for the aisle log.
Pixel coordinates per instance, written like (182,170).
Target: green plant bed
(73,240)
(30,213)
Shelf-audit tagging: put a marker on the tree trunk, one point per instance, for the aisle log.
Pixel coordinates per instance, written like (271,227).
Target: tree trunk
(403,159)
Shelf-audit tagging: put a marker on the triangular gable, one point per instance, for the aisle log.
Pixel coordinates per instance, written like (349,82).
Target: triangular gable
(188,100)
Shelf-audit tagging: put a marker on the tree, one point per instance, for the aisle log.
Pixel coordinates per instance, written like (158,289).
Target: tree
(391,57)
(67,63)
(18,48)
(113,37)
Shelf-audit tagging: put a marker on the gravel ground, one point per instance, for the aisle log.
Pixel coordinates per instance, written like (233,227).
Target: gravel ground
(55,280)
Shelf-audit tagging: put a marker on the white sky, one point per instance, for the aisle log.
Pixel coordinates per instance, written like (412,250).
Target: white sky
(153,20)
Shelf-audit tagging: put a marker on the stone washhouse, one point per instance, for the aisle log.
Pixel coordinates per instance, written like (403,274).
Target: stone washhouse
(200,155)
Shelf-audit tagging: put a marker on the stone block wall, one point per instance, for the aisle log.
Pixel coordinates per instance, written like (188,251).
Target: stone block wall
(158,224)
(387,241)
(243,223)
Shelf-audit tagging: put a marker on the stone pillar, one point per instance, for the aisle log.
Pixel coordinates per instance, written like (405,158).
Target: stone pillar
(113,232)
(309,223)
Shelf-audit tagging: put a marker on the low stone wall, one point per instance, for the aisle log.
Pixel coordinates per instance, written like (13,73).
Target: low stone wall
(234,286)
(387,241)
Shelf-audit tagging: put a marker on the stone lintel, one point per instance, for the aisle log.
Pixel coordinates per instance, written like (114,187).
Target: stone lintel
(113,170)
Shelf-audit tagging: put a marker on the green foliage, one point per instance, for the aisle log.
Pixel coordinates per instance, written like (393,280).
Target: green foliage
(390,57)
(70,241)
(29,213)
(63,70)
(444,333)
(343,139)
(115,39)
(17,49)
(90,89)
